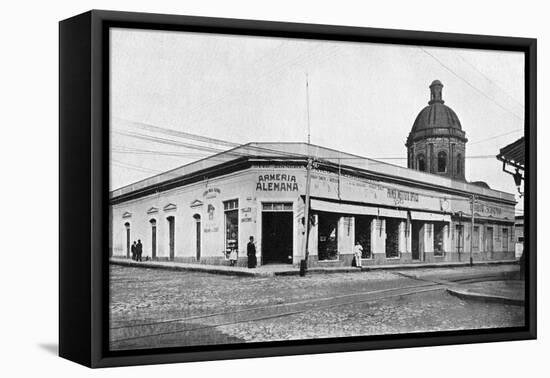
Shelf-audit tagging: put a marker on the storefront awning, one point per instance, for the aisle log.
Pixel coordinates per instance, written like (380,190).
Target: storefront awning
(431,217)
(391,213)
(344,208)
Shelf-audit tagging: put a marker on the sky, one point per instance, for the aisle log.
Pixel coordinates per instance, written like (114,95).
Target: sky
(363,98)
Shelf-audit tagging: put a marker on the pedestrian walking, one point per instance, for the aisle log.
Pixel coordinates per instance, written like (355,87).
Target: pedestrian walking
(251,253)
(139,250)
(358,253)
(133,248)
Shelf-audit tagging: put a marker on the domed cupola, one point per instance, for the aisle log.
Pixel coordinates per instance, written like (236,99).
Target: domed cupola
(437,143)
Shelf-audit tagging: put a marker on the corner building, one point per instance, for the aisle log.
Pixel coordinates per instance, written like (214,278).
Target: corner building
(198,212)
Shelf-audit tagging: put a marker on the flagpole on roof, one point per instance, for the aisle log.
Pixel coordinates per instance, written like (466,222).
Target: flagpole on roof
(307,107)
(305,252)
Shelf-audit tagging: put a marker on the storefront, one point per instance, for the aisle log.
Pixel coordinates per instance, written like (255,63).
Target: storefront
(202,211)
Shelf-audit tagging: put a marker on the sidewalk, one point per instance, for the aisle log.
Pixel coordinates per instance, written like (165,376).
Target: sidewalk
(264,270)
(285,269)
(508,292)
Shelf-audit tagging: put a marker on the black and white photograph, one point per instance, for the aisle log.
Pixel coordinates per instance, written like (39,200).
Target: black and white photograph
(275,189)
(268,189)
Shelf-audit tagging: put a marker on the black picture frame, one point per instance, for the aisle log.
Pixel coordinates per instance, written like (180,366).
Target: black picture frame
(83,180)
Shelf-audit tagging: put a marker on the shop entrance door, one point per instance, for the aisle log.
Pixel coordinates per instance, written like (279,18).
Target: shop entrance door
(489,239)
(328,236)
(277,237)
(416,240)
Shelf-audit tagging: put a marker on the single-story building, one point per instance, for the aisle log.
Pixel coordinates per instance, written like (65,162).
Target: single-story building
(197,213)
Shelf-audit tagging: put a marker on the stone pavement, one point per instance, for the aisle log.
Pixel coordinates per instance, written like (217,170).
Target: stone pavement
(166,307)
(288,270)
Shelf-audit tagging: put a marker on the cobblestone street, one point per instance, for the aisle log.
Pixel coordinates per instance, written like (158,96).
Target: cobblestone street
(159,308)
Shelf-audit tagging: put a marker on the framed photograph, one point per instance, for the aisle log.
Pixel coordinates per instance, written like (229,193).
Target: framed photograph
(234,188)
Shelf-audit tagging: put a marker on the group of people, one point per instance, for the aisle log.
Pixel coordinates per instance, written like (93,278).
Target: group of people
(250,253)
(137,250)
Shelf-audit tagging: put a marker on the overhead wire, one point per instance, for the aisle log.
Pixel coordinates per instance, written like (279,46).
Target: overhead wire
(205,139)
(490,80)
(470,84)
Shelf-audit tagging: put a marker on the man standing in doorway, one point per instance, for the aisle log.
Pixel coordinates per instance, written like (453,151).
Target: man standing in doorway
(251,253)
(139,250)
(133,248)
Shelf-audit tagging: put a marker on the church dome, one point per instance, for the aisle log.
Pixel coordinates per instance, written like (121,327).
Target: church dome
(436,115)
(436,119)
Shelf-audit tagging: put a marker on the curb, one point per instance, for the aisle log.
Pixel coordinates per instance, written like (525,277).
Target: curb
(189,269)
(294,272)
(227,272)
(437,265)
(463,294)
(318,271)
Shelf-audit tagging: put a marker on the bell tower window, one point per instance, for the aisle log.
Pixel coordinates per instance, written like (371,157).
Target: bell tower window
(442,162)
(458,164)
(421,163)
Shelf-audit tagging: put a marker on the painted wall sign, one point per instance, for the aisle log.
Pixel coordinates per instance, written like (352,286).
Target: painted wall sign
(402,195)
(211,192)
(347,188)
(325,184)
(485,209)
(247,214)
(211,209)
(277,182)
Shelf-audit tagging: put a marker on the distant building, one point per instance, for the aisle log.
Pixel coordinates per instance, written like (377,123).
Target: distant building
(518,235)
(198,212)
(437,143)
(513,156)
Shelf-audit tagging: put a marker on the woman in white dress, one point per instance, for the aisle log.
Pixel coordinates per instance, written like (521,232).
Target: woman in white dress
(358,252)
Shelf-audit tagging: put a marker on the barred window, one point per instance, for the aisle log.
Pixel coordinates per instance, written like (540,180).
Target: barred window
(277,206)
(231,204)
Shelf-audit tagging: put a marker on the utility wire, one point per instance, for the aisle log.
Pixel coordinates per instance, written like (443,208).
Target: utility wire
(180,134)
(496,136)
(135,167)
(470,84)
(196,137)
(491,80)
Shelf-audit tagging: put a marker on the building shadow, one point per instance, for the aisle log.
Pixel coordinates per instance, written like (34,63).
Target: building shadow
(52,348)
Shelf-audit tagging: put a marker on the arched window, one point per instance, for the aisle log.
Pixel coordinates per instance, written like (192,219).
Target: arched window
(442,162)
(153,238)
(171,237)
(421,162)
(197,218)
(128,242)
(458,164)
